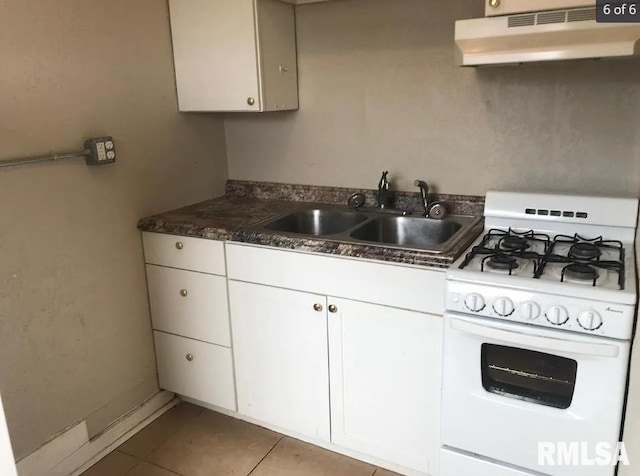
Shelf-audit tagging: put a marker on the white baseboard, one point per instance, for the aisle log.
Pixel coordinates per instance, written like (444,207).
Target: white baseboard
(322,444)
(71,452)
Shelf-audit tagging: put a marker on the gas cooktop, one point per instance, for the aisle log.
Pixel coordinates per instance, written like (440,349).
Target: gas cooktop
(565,262)
(577,259)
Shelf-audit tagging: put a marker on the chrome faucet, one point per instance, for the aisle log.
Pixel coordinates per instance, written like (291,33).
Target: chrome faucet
(424,191)
(431,210)
(384,187)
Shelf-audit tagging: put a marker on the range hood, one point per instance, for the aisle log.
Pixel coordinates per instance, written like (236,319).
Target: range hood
(538,36)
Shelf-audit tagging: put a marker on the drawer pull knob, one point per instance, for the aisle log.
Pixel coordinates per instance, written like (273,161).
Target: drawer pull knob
(333,308)
(317,307)
(184,293)
(179,245)
(189,357)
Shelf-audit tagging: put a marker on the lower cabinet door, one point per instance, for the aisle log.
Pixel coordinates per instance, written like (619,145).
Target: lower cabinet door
(196,369)
(280,350)
(385,367)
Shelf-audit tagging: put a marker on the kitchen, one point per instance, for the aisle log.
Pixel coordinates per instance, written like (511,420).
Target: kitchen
(378,90)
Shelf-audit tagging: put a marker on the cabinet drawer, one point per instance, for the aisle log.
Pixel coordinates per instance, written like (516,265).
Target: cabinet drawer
(196,369)
(195,254)
(189,304)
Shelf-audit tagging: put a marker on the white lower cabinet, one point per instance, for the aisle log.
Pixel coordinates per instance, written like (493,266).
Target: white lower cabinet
(385,368)
(187,283)
(358,371)
(281,359)
(195,369)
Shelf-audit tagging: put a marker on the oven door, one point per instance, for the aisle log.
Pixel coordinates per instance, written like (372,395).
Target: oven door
(508,387)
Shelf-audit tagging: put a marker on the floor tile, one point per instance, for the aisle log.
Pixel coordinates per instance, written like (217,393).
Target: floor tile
(214,445)
(146,469)
(114,464)
(151,437)
(292,458)
(381,472)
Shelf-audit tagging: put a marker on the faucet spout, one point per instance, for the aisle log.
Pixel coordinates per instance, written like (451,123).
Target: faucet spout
(424,192)
(383,191)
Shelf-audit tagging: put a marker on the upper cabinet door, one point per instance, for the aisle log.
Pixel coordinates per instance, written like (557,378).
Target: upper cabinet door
(7,464)
(278,61)
(234,55)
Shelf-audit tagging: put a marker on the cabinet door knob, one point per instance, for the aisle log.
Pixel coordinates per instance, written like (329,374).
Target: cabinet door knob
(179,245)
(317,307)
(184,293)
(333,308)
(494,3)
(251,101)
(189,357)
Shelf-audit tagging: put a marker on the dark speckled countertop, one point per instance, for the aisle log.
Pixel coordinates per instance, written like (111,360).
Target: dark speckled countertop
(235,216)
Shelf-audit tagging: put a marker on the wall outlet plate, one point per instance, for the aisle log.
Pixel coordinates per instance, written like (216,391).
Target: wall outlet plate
(100,150)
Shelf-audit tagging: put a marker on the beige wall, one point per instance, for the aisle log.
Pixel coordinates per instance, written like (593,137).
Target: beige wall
(75,338)
(379,91)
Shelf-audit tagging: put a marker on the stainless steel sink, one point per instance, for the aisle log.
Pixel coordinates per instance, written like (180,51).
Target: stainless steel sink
(335,223)
(410,232)
(317,222)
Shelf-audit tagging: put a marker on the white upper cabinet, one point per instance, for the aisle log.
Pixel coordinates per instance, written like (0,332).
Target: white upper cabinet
(7,464)
(234,55)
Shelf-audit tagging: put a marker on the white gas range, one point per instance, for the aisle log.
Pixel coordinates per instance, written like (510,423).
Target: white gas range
(540,315)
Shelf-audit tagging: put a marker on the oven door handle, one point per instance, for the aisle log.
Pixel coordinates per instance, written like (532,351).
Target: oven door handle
(539,342)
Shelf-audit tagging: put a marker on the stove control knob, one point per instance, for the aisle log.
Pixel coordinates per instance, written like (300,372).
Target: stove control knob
(590,320)
(557,315)
(503,306)
(530,310)
(474,302)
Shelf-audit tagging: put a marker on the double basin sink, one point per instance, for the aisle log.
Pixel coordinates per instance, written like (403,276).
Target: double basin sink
(371,227)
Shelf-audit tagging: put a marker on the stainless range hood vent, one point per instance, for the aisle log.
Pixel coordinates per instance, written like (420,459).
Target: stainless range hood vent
(543,36)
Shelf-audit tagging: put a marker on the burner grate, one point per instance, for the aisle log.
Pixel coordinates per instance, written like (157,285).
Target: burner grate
(586,253)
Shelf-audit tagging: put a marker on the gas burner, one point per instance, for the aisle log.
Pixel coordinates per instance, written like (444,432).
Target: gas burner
(513,243)
(584,251)
(589,248)
(580,272)
(502,262)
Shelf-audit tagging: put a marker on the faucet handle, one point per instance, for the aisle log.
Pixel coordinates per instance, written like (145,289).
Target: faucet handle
(436,210)
(384,182)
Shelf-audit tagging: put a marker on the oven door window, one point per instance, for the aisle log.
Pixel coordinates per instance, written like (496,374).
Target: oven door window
(536,377)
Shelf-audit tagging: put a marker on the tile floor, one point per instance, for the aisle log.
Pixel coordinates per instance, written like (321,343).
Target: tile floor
(191,441)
